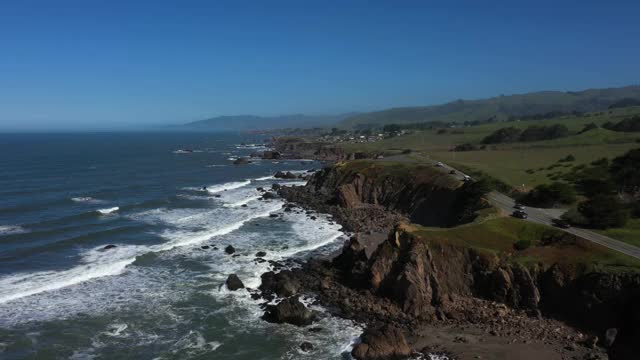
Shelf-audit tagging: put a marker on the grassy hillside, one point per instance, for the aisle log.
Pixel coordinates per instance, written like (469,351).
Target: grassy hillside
(528,163)
(499,235)
(501,107)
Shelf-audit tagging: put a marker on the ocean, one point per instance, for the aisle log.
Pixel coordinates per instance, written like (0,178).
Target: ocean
(157,294)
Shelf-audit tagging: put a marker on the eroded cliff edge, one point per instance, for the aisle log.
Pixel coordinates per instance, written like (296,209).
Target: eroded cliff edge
(400,274)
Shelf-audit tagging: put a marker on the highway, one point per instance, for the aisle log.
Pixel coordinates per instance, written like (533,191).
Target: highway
(536,215)
(545,216)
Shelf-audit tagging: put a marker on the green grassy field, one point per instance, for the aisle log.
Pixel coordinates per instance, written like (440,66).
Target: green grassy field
(518,163)
(497,236)
(629,234)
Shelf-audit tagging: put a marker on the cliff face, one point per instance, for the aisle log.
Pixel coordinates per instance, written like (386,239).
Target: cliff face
(413,277)
(423,194)
(424,278)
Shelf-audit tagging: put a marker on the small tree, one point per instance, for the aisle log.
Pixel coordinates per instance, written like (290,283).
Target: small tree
(604,211)
(625,171)
(549,195)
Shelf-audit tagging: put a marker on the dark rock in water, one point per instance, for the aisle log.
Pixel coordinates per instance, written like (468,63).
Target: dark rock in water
(287,209)
(276,187)
(236,255)
(204,247)
(282,284)
(271,155)
(269,195)
(261,254)
(216,195)
(387,342)
(312,217)
(260,188)
(234,283)
(255,296)
(241,161)
(243,205)
(285,175)
(306,346)
(290,311)
(315,329)
(260,260)
(229,249)
(110,246)
(273,215)
(215,248)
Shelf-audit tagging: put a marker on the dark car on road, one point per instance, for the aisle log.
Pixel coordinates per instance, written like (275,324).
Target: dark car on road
(561,223)
(520,214)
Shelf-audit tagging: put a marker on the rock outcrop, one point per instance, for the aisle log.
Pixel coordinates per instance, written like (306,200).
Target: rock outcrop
(234,283)
(384,343)
(290,311)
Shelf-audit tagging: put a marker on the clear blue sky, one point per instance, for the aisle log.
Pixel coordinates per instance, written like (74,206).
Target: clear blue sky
(91,63)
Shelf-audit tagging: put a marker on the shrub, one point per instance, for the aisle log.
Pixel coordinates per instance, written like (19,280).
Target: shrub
(568,158)
(574,217)
(549,195)
(538,133)
(631,124)
(588,127)
(503,135)
(522,244)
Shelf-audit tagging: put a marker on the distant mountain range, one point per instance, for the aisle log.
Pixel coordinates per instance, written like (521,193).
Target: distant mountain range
(500,107)
(252,122)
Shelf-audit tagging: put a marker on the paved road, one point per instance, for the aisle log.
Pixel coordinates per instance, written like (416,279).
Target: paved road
(544,216)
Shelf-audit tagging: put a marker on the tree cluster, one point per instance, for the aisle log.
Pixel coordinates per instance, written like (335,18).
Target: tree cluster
(631,124)
(532,133)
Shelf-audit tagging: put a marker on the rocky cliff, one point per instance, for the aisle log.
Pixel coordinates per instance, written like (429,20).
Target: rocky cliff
(422,194)
(412,278)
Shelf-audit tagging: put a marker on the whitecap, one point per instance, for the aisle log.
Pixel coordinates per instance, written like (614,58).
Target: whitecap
(212,189)
(11,229)
(108,210)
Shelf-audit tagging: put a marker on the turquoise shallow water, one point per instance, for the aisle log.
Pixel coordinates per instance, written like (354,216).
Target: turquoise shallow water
(63,197)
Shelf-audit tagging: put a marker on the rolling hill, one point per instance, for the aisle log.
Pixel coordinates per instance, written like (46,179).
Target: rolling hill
(252,122)
(500,107)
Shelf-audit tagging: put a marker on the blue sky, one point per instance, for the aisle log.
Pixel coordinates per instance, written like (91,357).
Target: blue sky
(99,64)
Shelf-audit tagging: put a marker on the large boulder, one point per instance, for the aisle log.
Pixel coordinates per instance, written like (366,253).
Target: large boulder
(234,283)
(385,343)
(285,175)
(268,195)
(229,249)
(290,311)
(281,284)
(241,161)
(270,155)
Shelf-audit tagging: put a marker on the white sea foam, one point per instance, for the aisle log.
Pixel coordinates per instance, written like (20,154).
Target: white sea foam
(244,201)
(11,229)
(95,264)
(265,178)
(195,226)
(227,186)
(108,210)
(82,199)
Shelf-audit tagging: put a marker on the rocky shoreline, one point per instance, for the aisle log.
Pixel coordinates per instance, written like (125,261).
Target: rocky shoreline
(414,299)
